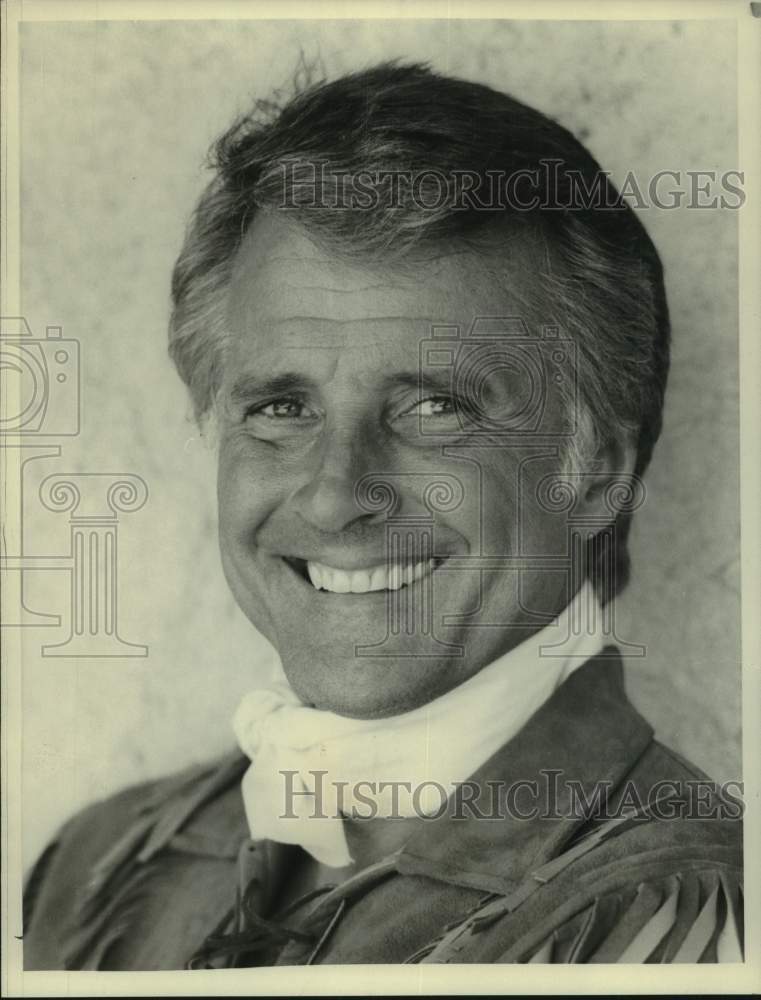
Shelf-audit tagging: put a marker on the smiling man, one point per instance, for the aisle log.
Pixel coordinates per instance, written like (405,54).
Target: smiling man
(322,388)
(433,343)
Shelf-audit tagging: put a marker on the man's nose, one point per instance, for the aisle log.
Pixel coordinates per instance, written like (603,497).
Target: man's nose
(327,500)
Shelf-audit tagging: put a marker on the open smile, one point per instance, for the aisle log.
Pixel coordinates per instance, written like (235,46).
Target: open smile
(361,581)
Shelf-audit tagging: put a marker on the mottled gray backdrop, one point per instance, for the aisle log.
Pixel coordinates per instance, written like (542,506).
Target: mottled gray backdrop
(116,119)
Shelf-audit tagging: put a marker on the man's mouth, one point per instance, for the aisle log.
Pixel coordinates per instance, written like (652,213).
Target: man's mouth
(361,581)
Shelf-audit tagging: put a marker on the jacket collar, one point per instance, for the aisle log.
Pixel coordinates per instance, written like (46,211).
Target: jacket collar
(587,733)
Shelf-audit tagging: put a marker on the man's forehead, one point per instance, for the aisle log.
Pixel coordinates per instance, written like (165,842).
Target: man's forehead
(283,279)
(363,350)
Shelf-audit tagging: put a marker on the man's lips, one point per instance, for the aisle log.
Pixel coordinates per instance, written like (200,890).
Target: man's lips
(363,580)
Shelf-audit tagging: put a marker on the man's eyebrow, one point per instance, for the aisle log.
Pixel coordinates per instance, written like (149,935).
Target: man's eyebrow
(438,379)
(249,386)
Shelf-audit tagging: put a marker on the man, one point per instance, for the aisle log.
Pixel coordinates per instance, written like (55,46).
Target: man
(433,344)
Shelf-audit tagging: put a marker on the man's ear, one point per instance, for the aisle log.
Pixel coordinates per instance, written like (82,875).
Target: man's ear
(611,465)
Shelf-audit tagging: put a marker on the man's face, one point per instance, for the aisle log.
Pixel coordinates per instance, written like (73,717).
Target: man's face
(321,388)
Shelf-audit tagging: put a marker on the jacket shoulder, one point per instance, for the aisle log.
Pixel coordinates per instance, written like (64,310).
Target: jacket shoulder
(657,884)
(97,866)
(668,892)
(659,880)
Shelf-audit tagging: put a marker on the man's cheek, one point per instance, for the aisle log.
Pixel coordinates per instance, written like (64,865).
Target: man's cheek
(233,508)
(540,508)
(247,584)
(245,491)
(540,532)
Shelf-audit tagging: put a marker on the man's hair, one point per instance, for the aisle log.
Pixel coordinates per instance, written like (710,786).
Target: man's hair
(602,276)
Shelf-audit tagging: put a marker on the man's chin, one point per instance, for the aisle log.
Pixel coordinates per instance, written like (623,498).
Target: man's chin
(367,687)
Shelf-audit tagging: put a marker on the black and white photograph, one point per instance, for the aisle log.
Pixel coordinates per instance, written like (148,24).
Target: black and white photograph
(380,484)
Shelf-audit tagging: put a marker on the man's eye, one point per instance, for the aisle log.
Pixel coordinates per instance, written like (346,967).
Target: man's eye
(433,406)
(428,421)
(282,409)
(281,419)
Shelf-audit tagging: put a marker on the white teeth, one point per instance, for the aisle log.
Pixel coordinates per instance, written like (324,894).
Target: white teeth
(362,581)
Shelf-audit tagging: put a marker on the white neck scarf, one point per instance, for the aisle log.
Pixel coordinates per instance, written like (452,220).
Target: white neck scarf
(292,791)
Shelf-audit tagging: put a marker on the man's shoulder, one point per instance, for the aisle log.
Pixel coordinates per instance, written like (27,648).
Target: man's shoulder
(655,882)
(664,819)
(93,859)
(200,799)
(655,875)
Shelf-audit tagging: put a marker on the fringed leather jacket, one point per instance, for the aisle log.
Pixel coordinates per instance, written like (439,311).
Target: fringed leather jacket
(605,847)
